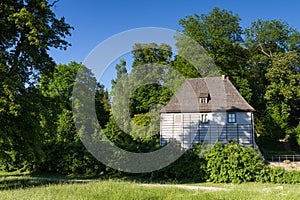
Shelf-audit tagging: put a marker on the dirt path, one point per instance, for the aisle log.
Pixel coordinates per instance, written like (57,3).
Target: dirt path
(63,180)
(187,187)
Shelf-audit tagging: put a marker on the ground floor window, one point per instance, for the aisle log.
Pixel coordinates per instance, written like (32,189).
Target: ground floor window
(204,118)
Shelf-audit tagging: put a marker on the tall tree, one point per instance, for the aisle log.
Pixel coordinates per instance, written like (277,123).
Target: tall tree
(220,34)
(264,39)
(132,99)
(57,90)
(272,46)
(102,105)
(148,95)
(28,30)
(58,121)
(121,72)
(272,36)
(283,92)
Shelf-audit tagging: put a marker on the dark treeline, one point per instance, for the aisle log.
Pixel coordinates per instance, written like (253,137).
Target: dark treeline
(37,130)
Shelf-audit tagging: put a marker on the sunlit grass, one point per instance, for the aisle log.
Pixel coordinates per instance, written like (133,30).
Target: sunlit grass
(25,188)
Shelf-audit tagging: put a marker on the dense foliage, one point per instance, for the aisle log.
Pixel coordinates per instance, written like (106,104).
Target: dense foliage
(229,163)
(232,163)
(191,166)
(28,30)
(37,123)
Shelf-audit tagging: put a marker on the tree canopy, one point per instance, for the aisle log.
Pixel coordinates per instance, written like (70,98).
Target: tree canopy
(36,117)
(28,30)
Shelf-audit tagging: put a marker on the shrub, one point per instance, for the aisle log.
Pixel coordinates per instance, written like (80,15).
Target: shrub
(233,163)
(264,175)
(278,175)
(189,167)
(292,177)
(64,158)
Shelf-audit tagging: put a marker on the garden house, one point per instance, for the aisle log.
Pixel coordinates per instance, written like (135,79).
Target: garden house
(207,110)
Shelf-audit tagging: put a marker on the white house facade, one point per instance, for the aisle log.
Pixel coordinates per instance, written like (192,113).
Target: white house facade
(207,110)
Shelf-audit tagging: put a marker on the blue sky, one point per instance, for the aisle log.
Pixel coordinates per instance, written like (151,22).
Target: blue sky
(96,20)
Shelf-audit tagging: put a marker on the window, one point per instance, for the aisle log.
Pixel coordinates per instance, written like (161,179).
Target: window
(203,100)
(231,118)
(177,119)
(204,118)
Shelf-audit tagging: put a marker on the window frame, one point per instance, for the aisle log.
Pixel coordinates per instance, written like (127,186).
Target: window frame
(231,118)
(203,100)
(204,118)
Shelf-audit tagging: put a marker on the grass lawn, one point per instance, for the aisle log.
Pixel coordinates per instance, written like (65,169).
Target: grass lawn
(25,188)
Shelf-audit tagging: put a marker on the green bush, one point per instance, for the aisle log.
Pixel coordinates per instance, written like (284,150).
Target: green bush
(233,163)
(264,175)
(190,167)
(292,177)
(278,175)
(220,164)
(64,158)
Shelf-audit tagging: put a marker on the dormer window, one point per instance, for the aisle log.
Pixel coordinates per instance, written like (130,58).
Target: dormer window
(203,100)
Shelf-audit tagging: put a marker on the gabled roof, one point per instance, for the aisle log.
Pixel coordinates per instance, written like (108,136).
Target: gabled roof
(221,94)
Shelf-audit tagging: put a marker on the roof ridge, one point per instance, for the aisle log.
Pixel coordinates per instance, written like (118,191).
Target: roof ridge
(204,77)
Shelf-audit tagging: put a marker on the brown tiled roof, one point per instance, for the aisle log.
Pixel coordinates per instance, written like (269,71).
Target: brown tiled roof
(221,94)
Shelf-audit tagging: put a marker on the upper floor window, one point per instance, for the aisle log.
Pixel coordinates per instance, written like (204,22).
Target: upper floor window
(203,100)
(231,118)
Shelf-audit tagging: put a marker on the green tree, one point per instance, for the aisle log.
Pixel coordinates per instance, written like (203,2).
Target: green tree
(264,39)
(133,101)
(220,34)
(185,68)
(63,148)
(121,71)
(59,120)
(102,104)
(28,30)
(272,36)
(151,53)
(283,92)
(269,43)
(148,95)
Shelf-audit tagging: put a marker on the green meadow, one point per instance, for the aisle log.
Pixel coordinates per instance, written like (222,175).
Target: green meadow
(28,188)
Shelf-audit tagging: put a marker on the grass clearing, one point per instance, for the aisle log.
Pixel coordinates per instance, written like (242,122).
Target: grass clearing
(26,188)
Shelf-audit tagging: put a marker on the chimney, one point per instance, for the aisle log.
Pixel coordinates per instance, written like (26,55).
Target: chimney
(223,77)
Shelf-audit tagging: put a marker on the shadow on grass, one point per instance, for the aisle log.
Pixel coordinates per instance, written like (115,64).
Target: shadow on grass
(18,181)
(23,182)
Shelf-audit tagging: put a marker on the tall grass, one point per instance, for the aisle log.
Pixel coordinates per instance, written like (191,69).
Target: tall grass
(114,189)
